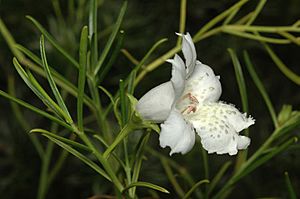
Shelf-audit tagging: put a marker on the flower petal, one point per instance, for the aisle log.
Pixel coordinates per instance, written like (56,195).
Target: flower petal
(178,75)
(189,53)
(177,134)
(156,104)
(218,125)
(204,84)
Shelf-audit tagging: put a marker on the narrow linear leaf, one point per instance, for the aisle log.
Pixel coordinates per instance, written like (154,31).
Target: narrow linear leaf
(123,103)
(111,98)
(149,53)
(62,139)
(111,38)
(189,193)
(58,78)
(93,32)
(137,165)
(20,117)
(146,184)
(51,81)
(9,40)
(218,18)
(130,88)
(268,156)
(260,87)
(80,156)
(53,42)
(136,69)
(172,178)
(255,37)
(36,88)
(123,133)
(46,98)
(282,67)
(100,139)
(182,20)
(114,55)
(240,79)
(256,12)
(292,193)
(82,75)
(34,109)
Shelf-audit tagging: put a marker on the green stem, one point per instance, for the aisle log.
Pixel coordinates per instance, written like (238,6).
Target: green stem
(172,178)
(100,158)
(269,29)
(206,170)
(43,182)
(124,133)
(219,18)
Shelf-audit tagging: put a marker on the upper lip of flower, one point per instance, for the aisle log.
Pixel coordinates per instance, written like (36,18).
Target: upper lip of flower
(190,100)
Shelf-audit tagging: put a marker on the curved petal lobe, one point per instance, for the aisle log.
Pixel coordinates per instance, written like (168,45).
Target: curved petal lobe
(178,75)
(156,104)
(189,53)
(216,124)
(177,134)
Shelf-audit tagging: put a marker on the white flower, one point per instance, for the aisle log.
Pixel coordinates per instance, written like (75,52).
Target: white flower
(190,102)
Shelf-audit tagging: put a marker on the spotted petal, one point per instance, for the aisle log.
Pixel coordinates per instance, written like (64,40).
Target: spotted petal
(156,104)
(218,125)
(204,84)
(177,134)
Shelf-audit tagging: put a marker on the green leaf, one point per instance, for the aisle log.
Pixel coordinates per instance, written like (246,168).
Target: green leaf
(130,88)
(172,178)
(146,184)
(218,18)
(254,37)
(80,156)
(51,81)
(9,40)
(113,57)
(136,68)
(282,67)
(261,88)
(53,42)
(62,139)
(116,112)
(240,79)
(20,117)
(82,75)
(58,78)
(292,193)
(139,156)
(285,114)
(123,103)
(189,193)
(100,139)
(37,89)
(34,109)
(264,158)
(111,38)
(128,128)
(242,156)
(93,32)
(257,10)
